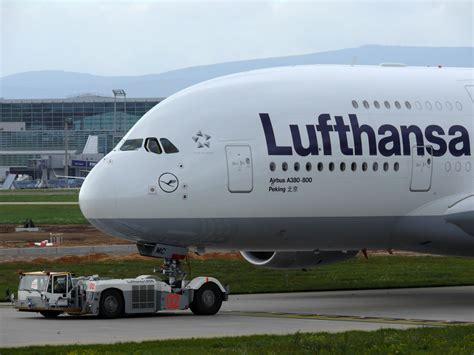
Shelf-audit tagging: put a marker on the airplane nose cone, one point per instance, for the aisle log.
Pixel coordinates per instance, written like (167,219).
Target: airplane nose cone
(97,197)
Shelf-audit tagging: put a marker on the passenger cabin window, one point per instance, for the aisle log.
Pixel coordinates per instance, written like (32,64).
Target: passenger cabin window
(132,144)
(152,146)
(168,147)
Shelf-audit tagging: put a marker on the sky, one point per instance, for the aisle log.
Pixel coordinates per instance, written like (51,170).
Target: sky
(145,37)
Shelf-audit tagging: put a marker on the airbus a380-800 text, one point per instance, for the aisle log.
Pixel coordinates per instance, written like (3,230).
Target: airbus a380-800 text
(297,166)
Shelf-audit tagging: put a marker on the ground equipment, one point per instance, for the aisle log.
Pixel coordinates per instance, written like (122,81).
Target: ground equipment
(55,293)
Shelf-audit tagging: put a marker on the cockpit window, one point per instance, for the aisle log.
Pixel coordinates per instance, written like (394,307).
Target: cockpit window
(168,146)
(132,144)
(152,146)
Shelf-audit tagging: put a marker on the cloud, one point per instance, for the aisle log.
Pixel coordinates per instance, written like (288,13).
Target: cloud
(141,37)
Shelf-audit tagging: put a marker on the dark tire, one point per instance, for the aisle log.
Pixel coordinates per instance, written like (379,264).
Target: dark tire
(50,314)
(207,300)
(111,304)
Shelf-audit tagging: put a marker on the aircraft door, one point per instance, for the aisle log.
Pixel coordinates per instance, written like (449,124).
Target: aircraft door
(239,168)
(421,169)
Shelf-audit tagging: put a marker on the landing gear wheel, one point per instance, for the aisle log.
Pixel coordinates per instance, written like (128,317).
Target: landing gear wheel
(207,300)
(50,314)
(111,304)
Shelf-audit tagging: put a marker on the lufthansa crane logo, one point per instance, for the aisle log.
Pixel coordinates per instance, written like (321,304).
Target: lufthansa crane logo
(168,182)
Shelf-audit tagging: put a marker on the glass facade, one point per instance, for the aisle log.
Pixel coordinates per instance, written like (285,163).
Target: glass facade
(44,124)
(17,159)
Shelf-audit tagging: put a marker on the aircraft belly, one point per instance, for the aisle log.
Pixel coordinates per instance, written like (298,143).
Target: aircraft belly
(306,233)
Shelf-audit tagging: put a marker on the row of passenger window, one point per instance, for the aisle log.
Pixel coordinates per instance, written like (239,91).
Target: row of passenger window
(428,105)
(151,145)
(341,166)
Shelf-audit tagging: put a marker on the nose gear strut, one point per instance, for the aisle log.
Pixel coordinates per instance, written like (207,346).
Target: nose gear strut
(172,256)
(171,268)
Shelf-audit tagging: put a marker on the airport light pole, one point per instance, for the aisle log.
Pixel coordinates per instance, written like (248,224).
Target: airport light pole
(118,92)
(66,147)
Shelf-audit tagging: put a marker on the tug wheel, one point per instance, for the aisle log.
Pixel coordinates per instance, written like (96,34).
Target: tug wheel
(111,304)
(50,314)
(207,300)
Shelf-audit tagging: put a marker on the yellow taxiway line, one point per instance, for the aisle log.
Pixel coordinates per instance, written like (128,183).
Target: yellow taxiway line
(328,317)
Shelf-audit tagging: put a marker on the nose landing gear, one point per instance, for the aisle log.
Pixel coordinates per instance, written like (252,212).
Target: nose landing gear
(171,255)
(171,268)
(207,292)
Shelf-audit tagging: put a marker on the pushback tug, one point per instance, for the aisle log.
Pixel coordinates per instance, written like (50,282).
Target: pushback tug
(55,293)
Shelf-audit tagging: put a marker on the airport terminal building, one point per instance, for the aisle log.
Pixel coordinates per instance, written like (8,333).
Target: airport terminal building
(35,134)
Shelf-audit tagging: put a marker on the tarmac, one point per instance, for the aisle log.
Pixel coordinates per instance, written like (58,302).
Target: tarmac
(279,313)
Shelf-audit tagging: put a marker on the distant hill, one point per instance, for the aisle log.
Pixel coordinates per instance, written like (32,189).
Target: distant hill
(60,84)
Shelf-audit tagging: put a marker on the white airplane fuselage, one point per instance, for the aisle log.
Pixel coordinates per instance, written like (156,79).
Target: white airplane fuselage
(282,159)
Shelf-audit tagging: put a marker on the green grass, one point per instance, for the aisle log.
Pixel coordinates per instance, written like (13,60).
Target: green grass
(358,273)
(72,197)
(41,214)
(443,340)
(39,191)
